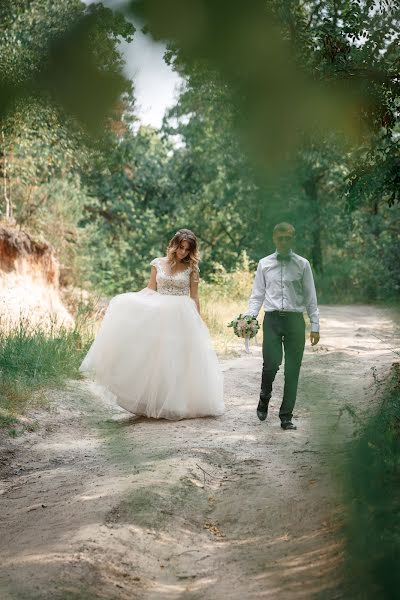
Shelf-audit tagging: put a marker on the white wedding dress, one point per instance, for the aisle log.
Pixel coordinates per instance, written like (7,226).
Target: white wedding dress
(154,352)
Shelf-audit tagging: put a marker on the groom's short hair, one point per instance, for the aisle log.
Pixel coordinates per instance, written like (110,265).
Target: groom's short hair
(284,227)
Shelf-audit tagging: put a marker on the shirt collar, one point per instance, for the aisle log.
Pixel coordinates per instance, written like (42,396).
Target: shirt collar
(290,253)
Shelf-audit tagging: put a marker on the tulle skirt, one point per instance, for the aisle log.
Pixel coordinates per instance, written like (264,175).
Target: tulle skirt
(154,353)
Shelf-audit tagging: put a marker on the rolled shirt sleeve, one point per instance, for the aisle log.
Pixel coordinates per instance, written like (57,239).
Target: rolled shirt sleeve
(258,293)
(310,298)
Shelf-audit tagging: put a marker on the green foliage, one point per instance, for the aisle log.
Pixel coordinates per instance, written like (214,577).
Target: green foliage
(66,52)
(289,113)
(43,143)
(42,158)
(9,423)
(128,217)
(291,68)
(234,284)
(215,183)
(373,477)
(32,358)
(375,174)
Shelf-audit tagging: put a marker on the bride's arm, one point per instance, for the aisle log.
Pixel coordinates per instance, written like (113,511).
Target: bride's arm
(194,289)
(152,283)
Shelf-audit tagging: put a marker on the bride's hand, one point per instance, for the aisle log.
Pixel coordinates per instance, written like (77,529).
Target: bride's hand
(152,283)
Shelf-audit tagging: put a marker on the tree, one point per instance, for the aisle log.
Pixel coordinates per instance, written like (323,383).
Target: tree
(309,93)
(213,179)
(129,213)
(64,52)
(44,143)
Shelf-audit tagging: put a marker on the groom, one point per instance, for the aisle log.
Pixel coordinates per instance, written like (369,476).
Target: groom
(284,284)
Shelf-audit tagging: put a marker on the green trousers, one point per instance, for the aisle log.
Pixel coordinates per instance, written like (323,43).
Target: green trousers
(282,333)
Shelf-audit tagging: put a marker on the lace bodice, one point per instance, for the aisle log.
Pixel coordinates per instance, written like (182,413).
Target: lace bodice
(177,284)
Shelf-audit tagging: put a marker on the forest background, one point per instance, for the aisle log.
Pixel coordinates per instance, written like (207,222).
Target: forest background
(289,111)
(300,125)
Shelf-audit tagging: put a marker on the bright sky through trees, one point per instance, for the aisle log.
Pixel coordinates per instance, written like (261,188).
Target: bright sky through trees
(155,82)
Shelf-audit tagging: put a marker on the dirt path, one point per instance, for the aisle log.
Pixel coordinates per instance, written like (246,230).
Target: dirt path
(99,505)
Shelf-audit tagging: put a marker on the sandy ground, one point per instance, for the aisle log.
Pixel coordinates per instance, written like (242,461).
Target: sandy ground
(96,504)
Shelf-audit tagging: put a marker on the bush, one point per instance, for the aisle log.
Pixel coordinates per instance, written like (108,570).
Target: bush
(373,504)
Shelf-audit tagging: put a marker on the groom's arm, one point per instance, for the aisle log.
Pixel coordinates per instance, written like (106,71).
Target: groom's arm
(257,293)
(310,299)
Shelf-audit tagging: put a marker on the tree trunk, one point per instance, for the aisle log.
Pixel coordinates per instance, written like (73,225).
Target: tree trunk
(311,189)
(6,188)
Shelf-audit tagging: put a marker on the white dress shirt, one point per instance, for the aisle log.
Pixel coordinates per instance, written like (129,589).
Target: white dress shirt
(287,286)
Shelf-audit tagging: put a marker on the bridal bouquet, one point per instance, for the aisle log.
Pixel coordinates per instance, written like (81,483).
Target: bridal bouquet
(245,326)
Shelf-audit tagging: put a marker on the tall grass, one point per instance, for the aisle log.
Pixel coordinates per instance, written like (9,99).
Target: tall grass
(373,501)
(33,358)
(224,298)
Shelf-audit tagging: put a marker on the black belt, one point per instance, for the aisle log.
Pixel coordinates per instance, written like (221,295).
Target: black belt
(284,313)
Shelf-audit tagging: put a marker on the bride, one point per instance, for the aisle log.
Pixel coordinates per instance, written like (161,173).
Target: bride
(153,351)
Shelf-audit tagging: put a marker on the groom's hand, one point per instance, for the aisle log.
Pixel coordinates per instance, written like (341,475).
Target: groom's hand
(314,337)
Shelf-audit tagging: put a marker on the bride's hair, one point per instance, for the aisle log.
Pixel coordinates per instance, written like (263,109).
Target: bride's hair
(193,258)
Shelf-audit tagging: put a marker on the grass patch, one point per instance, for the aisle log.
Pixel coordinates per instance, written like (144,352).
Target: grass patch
(373,501)
(35,358)
(9,423)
